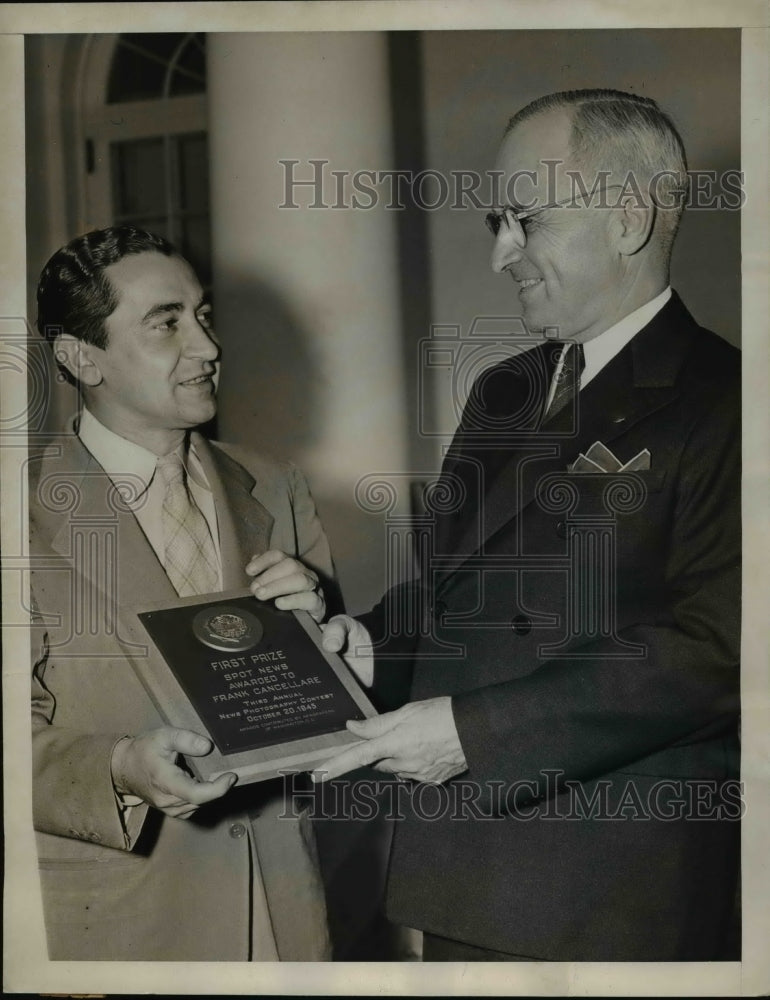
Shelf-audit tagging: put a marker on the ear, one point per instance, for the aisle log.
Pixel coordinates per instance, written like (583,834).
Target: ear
(634,224)
(78,358)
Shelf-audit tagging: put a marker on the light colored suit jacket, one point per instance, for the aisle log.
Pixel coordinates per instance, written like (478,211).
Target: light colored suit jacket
(155,888)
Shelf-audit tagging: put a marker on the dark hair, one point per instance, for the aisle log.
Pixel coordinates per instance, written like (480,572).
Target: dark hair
(625,133)
(74,295)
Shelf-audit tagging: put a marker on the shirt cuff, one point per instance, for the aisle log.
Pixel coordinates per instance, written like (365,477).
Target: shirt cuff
(126,805)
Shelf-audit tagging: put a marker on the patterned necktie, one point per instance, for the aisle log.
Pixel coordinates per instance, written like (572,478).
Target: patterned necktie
(568,384)
(190,558)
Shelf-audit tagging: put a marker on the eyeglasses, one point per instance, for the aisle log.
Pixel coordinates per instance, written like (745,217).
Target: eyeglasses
(494,220)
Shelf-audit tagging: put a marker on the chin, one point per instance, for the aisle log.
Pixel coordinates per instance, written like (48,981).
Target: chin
(202,415)
(535,326)
(546,328)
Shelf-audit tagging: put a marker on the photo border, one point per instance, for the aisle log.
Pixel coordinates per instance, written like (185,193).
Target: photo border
(27,968)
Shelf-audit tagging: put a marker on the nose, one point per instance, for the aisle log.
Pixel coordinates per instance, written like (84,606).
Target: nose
(509,243)
(200,342)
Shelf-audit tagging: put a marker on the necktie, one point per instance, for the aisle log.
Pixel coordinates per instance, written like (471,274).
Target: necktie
(190,558)
(568,384)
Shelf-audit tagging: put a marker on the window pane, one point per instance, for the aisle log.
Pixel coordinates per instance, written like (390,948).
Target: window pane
(139,67)
(137,177)
(140,63)
(162,45)
(190,74)
(193,173)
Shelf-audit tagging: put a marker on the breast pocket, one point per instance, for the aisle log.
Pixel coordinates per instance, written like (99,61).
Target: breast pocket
(613,493)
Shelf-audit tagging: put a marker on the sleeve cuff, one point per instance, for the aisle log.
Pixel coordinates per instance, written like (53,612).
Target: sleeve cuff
(130,810)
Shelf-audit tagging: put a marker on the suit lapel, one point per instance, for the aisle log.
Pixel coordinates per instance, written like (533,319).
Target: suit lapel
(502,414)
(101,539)
(244,523)
(637,382)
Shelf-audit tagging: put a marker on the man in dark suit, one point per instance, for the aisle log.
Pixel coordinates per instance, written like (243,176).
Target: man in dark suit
(574,687)
(131,507)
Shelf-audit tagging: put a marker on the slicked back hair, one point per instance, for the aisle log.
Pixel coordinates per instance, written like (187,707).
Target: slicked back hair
(74,295)
(626,134)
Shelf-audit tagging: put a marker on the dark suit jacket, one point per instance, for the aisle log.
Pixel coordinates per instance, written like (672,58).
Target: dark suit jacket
(164,889)
(595,623)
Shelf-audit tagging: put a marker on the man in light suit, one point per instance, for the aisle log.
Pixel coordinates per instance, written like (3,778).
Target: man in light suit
(574,690)
(132,507)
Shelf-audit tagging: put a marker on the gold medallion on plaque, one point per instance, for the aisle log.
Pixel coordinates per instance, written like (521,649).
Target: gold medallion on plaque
(227,629)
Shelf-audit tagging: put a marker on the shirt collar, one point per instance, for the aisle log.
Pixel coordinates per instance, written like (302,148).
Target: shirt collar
(122,458)
(116,455)
(602,349)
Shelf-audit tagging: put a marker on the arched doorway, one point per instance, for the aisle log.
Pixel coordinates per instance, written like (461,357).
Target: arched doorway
(144,152)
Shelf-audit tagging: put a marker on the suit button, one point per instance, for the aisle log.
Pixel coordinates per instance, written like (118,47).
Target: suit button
(521,625)
(439,609)
(561,529)
(237,830)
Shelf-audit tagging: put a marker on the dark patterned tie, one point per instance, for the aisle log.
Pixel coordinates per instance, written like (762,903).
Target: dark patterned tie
(190,557)
(568,380)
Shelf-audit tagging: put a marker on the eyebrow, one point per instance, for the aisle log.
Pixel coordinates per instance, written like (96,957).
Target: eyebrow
(158,310)
(172,307)
(515,207)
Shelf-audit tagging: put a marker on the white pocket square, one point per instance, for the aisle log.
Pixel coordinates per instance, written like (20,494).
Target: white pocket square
(599,458)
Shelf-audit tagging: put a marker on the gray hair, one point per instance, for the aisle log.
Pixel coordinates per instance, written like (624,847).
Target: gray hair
(628,135)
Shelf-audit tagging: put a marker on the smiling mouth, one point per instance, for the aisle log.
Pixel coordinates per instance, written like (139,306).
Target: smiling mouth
(198,380)
(525,283)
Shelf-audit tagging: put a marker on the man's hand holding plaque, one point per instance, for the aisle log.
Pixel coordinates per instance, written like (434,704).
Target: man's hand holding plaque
(292,585)
(348,637)
(417,742)
(145,767)
(252,676)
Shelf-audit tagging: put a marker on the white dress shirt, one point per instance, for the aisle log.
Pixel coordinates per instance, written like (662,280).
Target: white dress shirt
(132,469)
(602,349)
